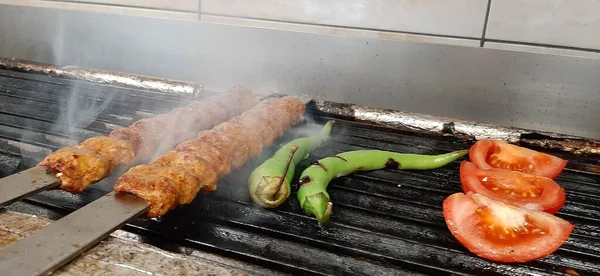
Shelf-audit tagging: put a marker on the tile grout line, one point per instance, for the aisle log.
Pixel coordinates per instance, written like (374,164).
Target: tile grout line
(120,6)
(541,45)
(485,23)
(199,10)
(342,26)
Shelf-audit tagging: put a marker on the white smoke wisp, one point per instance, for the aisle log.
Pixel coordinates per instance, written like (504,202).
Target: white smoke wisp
(73,108)
(81,108)
(308,128)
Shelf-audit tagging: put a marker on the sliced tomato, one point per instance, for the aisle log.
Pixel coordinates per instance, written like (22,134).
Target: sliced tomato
(488,154)
(502,232)
(512,187)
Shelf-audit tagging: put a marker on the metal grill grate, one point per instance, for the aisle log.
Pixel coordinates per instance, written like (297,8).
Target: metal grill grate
(384,222)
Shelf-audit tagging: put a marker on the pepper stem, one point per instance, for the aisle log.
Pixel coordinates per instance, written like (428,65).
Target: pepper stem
(287,166)
(319,206)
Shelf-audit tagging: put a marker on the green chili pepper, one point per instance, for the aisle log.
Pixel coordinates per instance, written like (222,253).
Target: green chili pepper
(312,193)
(269,183)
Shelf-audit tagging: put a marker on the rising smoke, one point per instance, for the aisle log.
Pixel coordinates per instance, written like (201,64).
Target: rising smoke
(74,110)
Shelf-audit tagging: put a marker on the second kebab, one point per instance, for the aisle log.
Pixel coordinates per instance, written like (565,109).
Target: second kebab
(176,177)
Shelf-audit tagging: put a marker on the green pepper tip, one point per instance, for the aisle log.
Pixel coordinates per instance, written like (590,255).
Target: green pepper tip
(326,130)
(319,206)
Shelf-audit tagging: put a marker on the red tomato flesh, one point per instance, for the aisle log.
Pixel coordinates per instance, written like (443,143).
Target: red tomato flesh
(512,187)
(501,232)
(488,154)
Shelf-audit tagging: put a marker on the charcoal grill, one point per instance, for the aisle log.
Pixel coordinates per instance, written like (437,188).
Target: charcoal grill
(385,222)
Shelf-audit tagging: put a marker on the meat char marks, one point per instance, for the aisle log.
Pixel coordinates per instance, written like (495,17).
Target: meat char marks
(176,177)
(93,159)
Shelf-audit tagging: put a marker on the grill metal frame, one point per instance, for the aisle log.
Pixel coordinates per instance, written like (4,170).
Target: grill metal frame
(180,88)
(384,222)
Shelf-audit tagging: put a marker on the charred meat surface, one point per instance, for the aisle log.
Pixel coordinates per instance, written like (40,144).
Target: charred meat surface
(196,165)
(93,159)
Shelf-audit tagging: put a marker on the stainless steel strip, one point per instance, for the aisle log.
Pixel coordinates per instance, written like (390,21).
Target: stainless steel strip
(62,241)
(25,183)
(105,77)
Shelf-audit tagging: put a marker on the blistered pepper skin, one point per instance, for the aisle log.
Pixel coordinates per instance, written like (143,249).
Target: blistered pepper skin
(312,194)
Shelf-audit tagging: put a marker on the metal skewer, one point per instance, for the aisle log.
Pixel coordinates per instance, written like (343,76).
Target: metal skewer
(17,186)
(64,240)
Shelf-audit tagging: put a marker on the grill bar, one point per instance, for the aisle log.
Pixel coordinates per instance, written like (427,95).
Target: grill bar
(384,222)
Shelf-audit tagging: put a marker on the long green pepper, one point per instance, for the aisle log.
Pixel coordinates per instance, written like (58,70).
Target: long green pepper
(267,185)
(313,196)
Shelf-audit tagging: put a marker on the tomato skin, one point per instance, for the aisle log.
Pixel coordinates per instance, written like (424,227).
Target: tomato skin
(551,199)
(526,160)
(461,216)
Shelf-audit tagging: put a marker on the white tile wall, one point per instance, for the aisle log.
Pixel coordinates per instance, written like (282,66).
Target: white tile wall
(514,25)
(573,23)
(442,17)
(308,28)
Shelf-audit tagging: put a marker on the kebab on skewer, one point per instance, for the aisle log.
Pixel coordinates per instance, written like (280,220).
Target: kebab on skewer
(93,159)
(195,166)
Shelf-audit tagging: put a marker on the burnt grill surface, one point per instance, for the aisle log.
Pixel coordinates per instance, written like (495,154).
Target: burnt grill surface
(385,222)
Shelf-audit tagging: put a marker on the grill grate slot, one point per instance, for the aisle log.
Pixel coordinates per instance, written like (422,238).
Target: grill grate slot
(384,222)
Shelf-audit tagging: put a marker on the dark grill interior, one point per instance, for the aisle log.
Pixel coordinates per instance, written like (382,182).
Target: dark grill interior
(384,222)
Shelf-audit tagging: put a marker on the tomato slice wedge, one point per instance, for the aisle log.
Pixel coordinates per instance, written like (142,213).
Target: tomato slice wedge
(512,187)
(502,232)
(488,154)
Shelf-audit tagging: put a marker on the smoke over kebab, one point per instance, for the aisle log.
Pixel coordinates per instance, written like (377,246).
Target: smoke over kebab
(93,159)
(177,176)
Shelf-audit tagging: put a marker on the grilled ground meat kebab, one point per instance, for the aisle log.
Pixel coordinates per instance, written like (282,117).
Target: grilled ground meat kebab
(91,160)
(196,165)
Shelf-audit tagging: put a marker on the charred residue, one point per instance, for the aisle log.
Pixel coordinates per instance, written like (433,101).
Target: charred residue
(469,132)
(343,159)
(305,180)
(464,130)
(317,163)
(580,146)
(391,164)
